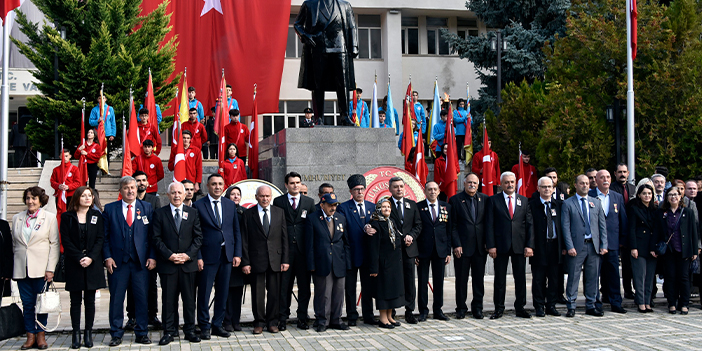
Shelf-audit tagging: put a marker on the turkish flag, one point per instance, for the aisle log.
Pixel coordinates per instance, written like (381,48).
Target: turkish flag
(9,5)
(133,138)
(246,38)
(521,182)
(634,13)
(83,161)
(407,132)
(420,164)
(150,103)
(452,167)
(488,181)
(127,169)
(179,167)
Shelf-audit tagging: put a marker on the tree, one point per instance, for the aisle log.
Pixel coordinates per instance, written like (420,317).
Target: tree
(107,41)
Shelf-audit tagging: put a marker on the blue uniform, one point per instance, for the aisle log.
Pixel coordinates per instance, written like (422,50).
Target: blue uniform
(110,126)
(438,133)
(396,119)
(399,143)
(365,117)
(460,118)
(421,116)
(158,113)
(232,103)
(198,105)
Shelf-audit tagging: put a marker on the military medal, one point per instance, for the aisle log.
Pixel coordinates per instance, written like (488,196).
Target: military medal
(615,209)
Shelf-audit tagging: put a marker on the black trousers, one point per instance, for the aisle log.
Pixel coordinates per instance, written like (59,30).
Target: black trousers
(92,174)
(297,270)
(544,287)
(209,151)
(173,285)
(627,274)
(367,291)
(460,139)
(265,298)
(152,297)
(408,268)
(677,278)
(438,266)
(519,274)
(329,75)
(233,314)
(87,297)
(463,267)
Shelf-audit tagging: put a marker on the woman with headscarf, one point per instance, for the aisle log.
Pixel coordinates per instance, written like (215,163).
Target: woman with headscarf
(386,264)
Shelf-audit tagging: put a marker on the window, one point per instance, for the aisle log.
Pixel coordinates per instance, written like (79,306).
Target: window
(291,114)
(436,43)
(293,49)
(369,37)
(467,27)
(410,35)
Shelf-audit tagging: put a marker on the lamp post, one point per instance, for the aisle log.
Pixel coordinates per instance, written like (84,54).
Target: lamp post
(499,44)
(614,116)
(57,152)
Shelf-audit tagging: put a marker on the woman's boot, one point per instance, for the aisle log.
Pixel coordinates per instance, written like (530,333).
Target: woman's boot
(31,339)
(88,338)
(75,344)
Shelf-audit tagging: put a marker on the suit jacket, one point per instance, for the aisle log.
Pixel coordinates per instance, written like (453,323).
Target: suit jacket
(435,234)
(41,253)
(573,224)
(153,200)
(168,239)
(260,251)
(616,220)
(412,224)
(212,233)
(295,219)
(631,188)
(504,232)
(305,124)
(115,228)
(467,233)
(358,240)
(77,277)
(540,228)
(559,195)
(643,235)
(327,253)
(688,231)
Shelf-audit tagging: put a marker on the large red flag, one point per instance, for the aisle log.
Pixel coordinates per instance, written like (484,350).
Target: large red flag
(634,13)
(521,182)
(407,132)
(452,167)
(127,169)
(420,164)
(133,137)
(83,160)
(179,164)
(221,120)
(487,165)
(253,139)
(150,102)
(247,38)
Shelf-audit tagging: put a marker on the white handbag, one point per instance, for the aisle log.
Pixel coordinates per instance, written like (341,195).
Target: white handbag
(48,301)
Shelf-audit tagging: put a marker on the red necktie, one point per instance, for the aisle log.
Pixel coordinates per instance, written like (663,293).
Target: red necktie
(294,206)
(130,220)
(626,194)
(511,209)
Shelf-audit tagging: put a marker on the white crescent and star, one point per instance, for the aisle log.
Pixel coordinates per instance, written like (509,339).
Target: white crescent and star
(212,5)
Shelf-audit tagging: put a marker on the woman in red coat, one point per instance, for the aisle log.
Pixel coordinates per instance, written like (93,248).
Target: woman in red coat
(92,153)
(232,169)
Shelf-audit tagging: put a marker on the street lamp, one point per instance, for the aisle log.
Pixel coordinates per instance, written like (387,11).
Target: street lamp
(610,113)
(499,44)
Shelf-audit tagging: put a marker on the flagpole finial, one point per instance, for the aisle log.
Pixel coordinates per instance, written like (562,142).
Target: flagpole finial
(222,71)
(410,78)
(255,88)
(185,71)
(149,70)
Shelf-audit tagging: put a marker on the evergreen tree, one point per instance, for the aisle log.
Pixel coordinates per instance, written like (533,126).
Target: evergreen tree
(107,41)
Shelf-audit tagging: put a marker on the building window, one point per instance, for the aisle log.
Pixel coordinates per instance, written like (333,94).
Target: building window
(410,36)
(293,48)
(467,27)
(291,114)
(369,37)
(436,43)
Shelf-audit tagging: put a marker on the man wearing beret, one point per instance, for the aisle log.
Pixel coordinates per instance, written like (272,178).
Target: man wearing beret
(358,213)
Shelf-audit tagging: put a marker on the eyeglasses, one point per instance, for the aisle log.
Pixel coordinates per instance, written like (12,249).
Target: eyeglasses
(673,195)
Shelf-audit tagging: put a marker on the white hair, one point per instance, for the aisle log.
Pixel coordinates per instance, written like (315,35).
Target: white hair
(546,178)
(170,186)
(507,174)
(657,175)
(262,187)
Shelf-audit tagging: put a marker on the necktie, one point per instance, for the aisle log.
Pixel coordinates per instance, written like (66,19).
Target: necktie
(583,207)
(659,198)
(399,209)
(626,194)
(330,226)
(130,219)
(472,207)
(433,213)
(550,234)
(177,219)
(361,214)
(266,224)
(509,205)
(294,205)
(216,211)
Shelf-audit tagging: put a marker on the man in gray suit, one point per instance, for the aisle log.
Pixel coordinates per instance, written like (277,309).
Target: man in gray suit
(585,241)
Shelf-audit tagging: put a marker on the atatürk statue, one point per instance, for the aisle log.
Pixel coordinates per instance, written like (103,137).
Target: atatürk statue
(328,30)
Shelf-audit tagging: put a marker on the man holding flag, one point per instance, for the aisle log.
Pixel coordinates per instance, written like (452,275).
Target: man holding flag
(526,174)
(462,123)
(197,129)
(149,131)
(192,161)
(359,109)
(486,164)
(110,125)
(65,177)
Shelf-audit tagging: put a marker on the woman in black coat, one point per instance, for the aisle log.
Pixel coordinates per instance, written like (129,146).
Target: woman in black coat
(237,279)
(6,258)
(643,237)
(386,264)
(676,224)
(82,236)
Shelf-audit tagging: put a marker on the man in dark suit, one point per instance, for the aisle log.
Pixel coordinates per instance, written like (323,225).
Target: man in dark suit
(585,236)
(265,256)
(434,250)
(328,258)
(615,217)
(297,209)
(508,227)
(177,238)
(325,188)
(468,238)
(358,213)
(220,251)
(628,191)
(557,196)
(405,214)
(129,256)
(548,248)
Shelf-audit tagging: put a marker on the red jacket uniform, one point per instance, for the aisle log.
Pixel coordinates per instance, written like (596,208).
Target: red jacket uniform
(152,166)
(198,132)
(150,131)
(93,151)
(72,180)
(439,170)
(237,133)
(193,164)
(232,171)
(478,166)
(530,178)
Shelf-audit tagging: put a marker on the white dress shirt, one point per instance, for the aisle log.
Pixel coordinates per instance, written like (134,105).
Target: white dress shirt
(260,213)
(133,210)
(509,198)
(586,216)
(604,198)
(548,213)
(173,210)
(297,200)
(401,206)
(219,205)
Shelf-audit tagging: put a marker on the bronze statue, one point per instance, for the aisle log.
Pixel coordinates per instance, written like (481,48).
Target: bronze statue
(328,31)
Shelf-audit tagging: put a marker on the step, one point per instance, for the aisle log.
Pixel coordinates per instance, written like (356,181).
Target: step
(24,171)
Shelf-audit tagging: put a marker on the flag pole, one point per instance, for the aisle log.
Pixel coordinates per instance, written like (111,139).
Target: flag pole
(5,116)
(631,161)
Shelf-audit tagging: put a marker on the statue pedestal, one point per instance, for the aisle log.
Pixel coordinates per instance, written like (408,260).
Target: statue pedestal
(326,155)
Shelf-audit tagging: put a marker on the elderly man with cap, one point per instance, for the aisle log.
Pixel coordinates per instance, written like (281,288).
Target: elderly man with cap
(308,122)
(358,213)
(328,259)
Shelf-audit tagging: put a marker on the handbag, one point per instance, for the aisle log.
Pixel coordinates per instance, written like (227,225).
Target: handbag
(11,321)
(48,301)
(662,246)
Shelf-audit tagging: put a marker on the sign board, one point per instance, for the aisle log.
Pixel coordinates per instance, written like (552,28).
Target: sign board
(377,185)
(248,191)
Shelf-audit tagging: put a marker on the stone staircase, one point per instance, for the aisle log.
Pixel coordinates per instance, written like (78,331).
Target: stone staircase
(20,179)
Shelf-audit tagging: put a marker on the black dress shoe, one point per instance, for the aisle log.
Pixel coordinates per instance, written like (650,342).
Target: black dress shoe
(497,314)
(594,312)
(282,326)
(221,332)
(618,309)
(562,300)
(683,312)
(301,324)
(629,295)
(552,311)
(321,328)
(166,339)
(192,337)
(88,338)
(523,314)
(539,312)
(478,314)
(75,344)
(370,321)
(228,327)
(131,323)
(205,334)
(156,323)
(570,313)
(353,323)
(648,310)
(144,339)
(422,317)
(386,326)
(340,326)
(441,316)
(115,342)
(641,311)
(460,315)
(397,323)
(410,318)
